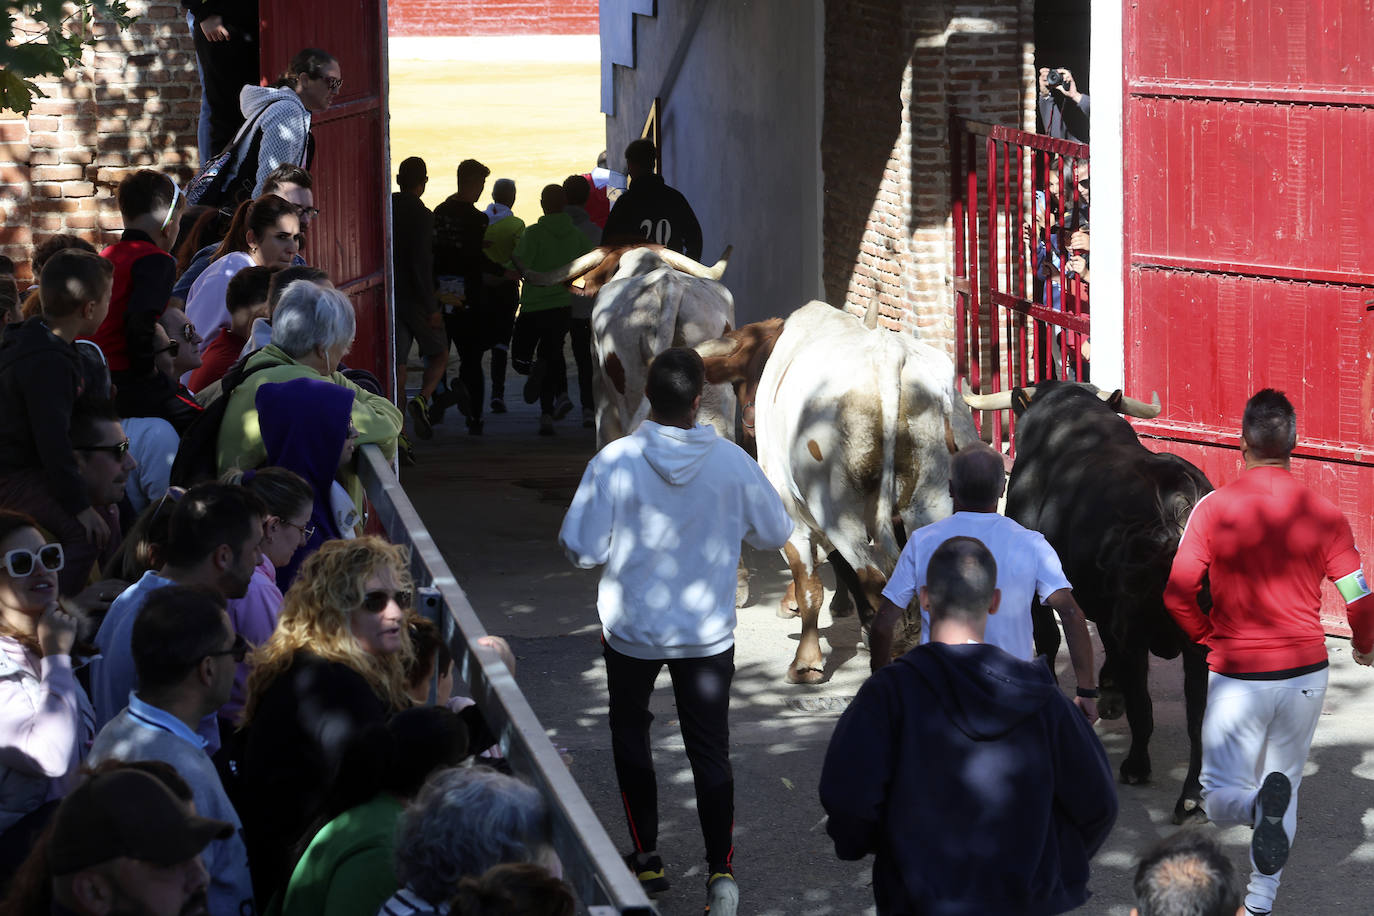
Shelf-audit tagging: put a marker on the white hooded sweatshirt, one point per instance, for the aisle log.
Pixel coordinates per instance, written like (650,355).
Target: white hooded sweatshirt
(665,510)
(284,125)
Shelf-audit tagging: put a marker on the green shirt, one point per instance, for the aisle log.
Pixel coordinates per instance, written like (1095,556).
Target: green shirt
(347,869)
(549,244)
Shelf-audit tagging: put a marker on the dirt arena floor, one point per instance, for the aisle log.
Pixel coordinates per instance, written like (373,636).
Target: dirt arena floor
(534,122)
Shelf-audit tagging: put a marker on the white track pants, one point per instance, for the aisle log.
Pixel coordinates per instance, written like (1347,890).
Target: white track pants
(1253,728)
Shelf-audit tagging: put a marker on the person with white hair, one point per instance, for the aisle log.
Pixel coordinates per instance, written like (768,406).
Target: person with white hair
(463,822)
(312,330)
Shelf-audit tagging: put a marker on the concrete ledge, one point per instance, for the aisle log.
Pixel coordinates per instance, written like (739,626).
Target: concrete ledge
(498,48)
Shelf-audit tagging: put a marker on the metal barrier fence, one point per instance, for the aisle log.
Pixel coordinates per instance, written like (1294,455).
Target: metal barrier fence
(1020,306)
(591,864)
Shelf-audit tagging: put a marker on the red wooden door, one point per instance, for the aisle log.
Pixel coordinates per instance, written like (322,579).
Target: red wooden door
(351,238)
(1249,222)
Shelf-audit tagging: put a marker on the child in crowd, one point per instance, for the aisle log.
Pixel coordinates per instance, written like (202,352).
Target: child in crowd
(41,377)
(246,299)
(151,204)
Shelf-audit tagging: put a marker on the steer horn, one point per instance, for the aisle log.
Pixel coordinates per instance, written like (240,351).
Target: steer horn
(721,346)
(695,268)
(1139,409)
(998,400)
(570,271)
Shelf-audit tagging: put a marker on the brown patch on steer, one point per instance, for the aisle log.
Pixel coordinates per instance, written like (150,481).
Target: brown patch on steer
(615,371)
(814,449)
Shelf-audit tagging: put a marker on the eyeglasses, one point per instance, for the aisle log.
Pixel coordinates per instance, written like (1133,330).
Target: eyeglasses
(376,602)
(119,450)
(173,348)
(170,498)
(307,213)
(307,531)
(333,82)
(171,210)
(239,650)
(20,562)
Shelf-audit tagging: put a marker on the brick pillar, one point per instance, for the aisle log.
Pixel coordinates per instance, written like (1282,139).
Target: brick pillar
(132,103)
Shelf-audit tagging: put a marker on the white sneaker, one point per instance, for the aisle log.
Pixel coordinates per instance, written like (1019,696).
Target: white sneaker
(722,895)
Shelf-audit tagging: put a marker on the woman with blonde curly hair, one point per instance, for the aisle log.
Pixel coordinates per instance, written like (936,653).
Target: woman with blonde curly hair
(334,667)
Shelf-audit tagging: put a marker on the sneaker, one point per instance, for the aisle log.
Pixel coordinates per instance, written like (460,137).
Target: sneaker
(649,870)
(419,415)
(1251,911)
(588,418)
(474,427)
(456,396)
(534,382)
(546,424)
(406,451)
(1269,845)
(438,403)
(562,406)
(722,895)
(498,405)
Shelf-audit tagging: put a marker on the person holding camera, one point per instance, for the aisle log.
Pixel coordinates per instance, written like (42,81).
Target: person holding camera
(1063,109)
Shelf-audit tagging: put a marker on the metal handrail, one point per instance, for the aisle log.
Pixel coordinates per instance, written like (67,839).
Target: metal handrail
(591,863)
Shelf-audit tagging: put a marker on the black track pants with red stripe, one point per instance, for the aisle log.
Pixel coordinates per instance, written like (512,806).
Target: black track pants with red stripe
(701,687)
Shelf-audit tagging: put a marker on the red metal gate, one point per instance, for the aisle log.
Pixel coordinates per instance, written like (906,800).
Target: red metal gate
(1021,311)
(351,238)
(1249,215)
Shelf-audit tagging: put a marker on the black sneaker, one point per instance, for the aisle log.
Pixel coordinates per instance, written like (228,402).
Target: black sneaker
(474,427)
(562,406)
(534,383)
(649,871)
(419,415)
(456,396)
(498,404)
(1269,845)
(406,451)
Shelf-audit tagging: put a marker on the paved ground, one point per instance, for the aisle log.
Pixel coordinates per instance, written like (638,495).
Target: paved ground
(494,505)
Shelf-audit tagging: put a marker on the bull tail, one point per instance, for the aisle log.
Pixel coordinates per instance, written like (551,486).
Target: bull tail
(890,396)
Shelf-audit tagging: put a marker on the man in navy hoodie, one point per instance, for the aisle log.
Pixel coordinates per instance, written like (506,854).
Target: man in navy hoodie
(975,783)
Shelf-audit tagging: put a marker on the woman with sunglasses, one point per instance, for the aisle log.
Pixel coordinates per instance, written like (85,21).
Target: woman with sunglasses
(285,530)
(46,721)
(280,114)
(334,667)
(265,233)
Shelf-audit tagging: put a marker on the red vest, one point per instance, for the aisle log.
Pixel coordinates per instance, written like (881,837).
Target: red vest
(110,336)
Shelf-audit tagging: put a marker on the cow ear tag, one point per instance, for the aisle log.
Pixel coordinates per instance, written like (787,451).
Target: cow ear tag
(1019,401)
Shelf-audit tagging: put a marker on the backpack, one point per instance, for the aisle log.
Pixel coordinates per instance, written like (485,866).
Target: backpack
(197,456)
(218,183)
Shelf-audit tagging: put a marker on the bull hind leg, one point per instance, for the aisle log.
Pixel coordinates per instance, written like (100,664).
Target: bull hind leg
(787,607)
(1045,632)
(1133,670)
(842,602)
(808,665)
(1189,808)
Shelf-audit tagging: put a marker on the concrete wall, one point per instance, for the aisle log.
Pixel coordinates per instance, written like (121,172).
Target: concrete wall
(741,134)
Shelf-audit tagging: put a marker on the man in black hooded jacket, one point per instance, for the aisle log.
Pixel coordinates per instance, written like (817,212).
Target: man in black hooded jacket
(976,784)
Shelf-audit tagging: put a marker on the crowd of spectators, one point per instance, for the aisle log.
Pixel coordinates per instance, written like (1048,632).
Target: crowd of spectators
(210,696)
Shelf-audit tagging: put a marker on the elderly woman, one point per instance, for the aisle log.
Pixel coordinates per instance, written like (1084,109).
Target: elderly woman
(312,329)
(333,669)
(463,822)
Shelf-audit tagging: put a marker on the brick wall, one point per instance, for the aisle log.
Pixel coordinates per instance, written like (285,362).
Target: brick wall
(133,103)
(492,17)
(893,70)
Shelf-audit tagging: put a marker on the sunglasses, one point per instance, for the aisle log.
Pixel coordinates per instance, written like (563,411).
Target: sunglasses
(173,348)
(20,562)
(333,82)
(119,450)
(376,602)
(188,333)
(169,499)
(171,211)
(239,650)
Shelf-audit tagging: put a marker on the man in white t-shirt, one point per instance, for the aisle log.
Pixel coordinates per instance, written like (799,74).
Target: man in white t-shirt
(1027,567)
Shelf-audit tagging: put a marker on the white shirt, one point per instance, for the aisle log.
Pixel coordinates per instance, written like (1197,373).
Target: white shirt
(1027,566)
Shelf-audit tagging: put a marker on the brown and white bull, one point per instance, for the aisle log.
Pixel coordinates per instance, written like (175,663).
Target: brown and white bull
(854,426)
(648,298)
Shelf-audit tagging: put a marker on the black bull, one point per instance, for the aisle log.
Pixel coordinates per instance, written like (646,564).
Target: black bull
(1114,511)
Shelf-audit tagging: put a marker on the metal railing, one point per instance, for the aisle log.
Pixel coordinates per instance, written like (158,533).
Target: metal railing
(591,864)
(1020,309)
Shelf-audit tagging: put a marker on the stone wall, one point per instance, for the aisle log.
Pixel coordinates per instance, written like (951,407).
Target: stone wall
(893,71)
(133,103)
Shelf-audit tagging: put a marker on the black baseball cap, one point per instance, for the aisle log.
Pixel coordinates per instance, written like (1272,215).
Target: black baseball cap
(130,814)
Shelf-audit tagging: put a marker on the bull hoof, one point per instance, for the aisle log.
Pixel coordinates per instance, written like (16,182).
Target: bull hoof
(787,611)
(805,674)
(1112,705)
(1135,773)
(840,609)
(741,594)
(1189,811)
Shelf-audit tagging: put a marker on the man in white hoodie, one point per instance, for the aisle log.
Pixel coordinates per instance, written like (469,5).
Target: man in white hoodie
(665,510)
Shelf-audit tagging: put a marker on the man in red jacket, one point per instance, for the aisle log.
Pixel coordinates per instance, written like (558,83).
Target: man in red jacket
(1266,541)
